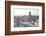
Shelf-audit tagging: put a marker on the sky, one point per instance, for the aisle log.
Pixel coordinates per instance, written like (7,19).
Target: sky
(25,11)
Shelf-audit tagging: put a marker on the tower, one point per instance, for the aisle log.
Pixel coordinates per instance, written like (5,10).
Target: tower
(30,17)
(29,14)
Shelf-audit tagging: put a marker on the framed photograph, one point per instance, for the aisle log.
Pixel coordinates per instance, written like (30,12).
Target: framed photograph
(24,17)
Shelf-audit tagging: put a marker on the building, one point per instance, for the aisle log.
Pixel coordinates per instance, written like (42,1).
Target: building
(24,19)
(28,18)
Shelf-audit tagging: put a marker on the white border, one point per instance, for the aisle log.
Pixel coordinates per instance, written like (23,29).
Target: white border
(26,28)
